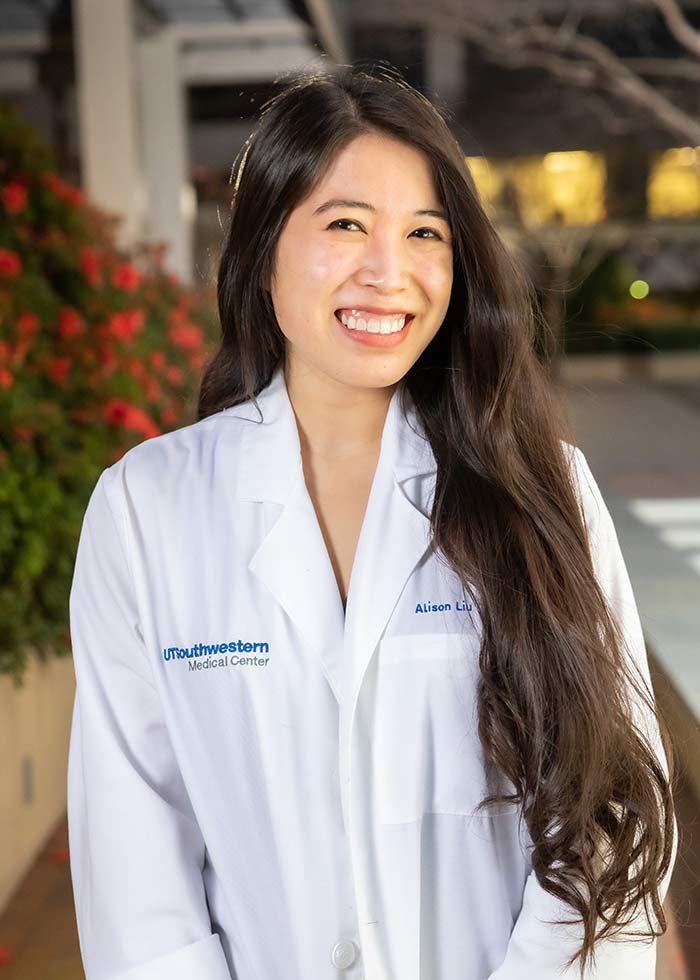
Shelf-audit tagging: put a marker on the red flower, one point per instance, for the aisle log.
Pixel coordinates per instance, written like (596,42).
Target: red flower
(28,324)
(108,360)
(153,389)
(174,375)
(62,190)
(136,368)
(70,323)
(125,326)
(10,263)
(179,314)
(92,266)
(116,411)
(198,360)
(20,350)
(186,335)
(157,359)
(120,413)
(169,416)
(6,379)
(14,197)
(126,277)
(58,369)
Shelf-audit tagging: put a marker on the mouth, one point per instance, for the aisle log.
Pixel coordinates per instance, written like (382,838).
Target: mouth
(392,330)
(374,324)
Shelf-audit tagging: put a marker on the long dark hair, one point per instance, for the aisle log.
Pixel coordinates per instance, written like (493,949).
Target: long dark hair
(555,715)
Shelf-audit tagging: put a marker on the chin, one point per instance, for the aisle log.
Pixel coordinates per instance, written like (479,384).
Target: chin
(371,376)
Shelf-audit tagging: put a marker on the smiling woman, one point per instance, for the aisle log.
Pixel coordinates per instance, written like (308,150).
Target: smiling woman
(460,774)
(370,268)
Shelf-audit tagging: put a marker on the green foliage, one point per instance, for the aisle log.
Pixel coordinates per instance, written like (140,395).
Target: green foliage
(98,350)
(602,317)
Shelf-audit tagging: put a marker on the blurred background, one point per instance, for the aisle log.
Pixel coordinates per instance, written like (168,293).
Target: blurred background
(119,124)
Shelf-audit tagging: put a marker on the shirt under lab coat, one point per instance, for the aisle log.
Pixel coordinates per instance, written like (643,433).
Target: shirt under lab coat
(263,788)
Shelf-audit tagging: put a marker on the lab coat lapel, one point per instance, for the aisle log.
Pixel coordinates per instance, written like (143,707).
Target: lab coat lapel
(292,560)
(394,538)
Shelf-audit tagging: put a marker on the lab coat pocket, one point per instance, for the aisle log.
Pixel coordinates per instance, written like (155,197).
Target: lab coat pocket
(427,752)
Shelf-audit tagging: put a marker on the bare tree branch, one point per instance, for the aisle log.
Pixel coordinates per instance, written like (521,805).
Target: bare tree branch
(619,79)
(610,121)
(672,68)
(678,25)
(573,57)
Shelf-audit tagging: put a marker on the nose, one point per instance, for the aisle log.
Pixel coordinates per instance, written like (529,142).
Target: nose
(384,263)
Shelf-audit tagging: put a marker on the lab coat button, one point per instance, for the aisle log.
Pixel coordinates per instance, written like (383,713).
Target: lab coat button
(343,954)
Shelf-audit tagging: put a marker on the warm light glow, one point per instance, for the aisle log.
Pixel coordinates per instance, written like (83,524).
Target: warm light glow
(673,190)
(687,156)
(639,289)
(487,180)
(559,163)
(568,187)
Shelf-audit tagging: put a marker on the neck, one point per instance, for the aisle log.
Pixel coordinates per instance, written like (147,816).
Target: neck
(336,421)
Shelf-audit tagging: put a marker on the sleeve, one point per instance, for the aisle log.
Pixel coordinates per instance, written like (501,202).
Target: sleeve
(537,948)
(136,852)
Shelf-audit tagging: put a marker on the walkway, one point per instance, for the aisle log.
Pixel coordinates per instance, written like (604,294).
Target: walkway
(642,441)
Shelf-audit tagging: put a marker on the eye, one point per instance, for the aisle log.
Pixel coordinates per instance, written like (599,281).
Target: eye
(432,231)
(342,221)
(348,221)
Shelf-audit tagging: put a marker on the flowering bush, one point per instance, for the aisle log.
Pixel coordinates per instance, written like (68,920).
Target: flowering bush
(98,351)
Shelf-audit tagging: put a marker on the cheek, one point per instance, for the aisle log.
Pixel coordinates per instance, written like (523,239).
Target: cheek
(325,267)
(447,289)
(434,271)
(446,278)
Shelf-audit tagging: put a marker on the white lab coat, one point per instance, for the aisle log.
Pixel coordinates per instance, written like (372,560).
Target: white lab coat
(259,789)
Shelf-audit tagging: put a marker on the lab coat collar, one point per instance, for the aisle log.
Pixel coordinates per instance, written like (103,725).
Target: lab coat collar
(292,560)
(272,450)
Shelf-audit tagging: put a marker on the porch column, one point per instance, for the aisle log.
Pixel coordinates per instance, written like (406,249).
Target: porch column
(108,113)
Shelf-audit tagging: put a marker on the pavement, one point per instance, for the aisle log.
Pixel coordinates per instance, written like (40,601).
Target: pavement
(38,938)
(642,441)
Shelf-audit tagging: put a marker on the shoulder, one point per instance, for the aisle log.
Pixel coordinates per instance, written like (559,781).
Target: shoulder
(176,463)
(595,511)
(590,497)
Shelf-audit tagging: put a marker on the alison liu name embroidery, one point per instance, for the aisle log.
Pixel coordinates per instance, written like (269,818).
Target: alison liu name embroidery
(431,607)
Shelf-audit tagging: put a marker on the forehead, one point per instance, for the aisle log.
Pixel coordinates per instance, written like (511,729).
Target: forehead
(379,165)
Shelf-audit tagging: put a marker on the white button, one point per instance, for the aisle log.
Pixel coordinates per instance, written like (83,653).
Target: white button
(343,954)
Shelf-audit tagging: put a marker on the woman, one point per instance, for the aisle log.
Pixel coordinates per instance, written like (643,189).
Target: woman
(464,775)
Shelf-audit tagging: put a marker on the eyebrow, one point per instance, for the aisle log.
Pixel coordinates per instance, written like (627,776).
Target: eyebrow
(338,202)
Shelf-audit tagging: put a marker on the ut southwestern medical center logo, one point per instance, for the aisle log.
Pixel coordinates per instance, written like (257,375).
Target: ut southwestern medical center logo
(209,656)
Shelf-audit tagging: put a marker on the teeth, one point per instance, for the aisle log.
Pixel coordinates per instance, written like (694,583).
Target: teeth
(383,324)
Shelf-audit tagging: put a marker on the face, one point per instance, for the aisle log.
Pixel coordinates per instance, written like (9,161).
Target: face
(362,260)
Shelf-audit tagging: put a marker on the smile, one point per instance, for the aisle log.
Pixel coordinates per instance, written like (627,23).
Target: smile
(373,323)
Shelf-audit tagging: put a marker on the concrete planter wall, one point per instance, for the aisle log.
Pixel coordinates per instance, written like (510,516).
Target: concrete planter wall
(34,733)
